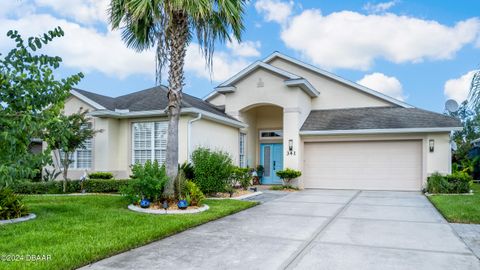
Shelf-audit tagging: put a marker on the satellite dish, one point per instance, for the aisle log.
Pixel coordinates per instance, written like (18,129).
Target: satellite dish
(451,106)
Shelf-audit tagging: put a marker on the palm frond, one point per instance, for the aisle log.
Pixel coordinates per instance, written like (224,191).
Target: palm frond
(474,94)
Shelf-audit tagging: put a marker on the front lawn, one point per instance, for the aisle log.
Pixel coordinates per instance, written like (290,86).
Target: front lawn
(459,208)
(77,230)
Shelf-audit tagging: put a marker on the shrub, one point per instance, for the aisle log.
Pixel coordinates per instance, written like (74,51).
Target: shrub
(212,170)
(11,205)
(436,183)
(458,182)
(193,194)
(188,170)
(100,175)
(288,175)
(150,180)
(56,187)
(241,176)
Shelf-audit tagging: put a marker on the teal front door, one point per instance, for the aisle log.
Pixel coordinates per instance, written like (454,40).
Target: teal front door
(271,158)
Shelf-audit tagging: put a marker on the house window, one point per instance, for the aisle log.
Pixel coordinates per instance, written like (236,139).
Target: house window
(82,157)
(242,150)
(271,134)
(149,142)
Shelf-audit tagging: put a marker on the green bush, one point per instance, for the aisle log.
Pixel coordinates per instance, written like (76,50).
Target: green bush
(458,182)
(11,205)
(288,175)
(212,170)
(241,176)
(101,175)
(150,180)
(73,186)
(193,194)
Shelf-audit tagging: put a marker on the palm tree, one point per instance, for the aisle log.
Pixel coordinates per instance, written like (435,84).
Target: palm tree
(170,25)
(474,95)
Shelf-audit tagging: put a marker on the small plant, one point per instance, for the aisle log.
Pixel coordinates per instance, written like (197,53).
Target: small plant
(193,194)
(100,175)
(212,170)
(50,175)
(150,182)
(188,170)
(288,175)
(241,176)
(11,205)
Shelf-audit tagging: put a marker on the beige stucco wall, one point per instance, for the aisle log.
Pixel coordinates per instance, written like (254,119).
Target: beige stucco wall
(333,94)
(206,133)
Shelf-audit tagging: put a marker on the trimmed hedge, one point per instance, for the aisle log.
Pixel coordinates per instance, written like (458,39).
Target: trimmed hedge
(453,183)
(73,186)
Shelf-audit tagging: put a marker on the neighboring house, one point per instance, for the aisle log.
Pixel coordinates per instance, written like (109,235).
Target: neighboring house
(279,113)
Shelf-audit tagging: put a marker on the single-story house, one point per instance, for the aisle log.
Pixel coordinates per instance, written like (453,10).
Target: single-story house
(278,112)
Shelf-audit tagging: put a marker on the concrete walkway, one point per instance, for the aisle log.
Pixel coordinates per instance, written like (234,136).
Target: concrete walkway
(314,229)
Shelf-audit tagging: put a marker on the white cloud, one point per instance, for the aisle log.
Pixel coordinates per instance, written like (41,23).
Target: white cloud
(246,48)
(82,11)
(352,40)
(382,83)
(379,7)
(83,48)
(458,88)
(87,49)
(274,10)
(224,64)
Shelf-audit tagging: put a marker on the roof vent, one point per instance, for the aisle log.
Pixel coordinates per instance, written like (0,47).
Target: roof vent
(260,83)
(122,110)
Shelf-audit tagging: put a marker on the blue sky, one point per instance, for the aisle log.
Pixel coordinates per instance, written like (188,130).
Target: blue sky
(423,52)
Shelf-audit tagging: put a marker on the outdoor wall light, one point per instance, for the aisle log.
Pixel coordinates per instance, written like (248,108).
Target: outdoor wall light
(431,145)
(290,151)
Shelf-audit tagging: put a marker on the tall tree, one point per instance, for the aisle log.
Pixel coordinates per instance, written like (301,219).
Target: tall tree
(30,98)
(169,26)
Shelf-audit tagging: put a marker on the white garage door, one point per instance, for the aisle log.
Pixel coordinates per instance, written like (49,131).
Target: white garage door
(377,165)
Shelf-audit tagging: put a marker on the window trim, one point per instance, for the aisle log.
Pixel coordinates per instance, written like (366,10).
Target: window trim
(270,130)
(152,139)
(240,152)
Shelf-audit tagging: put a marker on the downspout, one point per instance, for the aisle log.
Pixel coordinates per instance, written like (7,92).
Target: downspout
(189,135)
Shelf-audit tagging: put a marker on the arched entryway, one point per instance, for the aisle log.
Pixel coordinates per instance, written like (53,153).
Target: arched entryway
(263,139)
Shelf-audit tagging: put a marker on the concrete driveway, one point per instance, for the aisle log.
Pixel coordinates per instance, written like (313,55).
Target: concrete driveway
(314,229)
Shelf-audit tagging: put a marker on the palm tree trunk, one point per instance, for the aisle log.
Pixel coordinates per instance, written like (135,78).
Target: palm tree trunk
(178,33)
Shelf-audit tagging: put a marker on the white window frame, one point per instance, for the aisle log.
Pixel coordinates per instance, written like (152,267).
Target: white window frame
(74,156)
(152,140)
(270,130)
(242,149)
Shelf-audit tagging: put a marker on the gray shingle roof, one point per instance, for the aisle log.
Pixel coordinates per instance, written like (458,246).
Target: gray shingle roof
(154,98)
(376,118)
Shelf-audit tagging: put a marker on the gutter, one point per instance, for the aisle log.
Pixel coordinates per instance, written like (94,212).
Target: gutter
(189,135)
(162,113)
(379,131)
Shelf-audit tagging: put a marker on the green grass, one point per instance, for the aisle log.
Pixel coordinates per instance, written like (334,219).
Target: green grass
(459,208)
(77,230)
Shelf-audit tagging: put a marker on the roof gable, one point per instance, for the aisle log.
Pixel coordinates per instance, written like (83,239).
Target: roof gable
(291,80)
(336,78)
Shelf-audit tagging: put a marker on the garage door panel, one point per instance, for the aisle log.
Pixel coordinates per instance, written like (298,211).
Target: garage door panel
(381,165)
